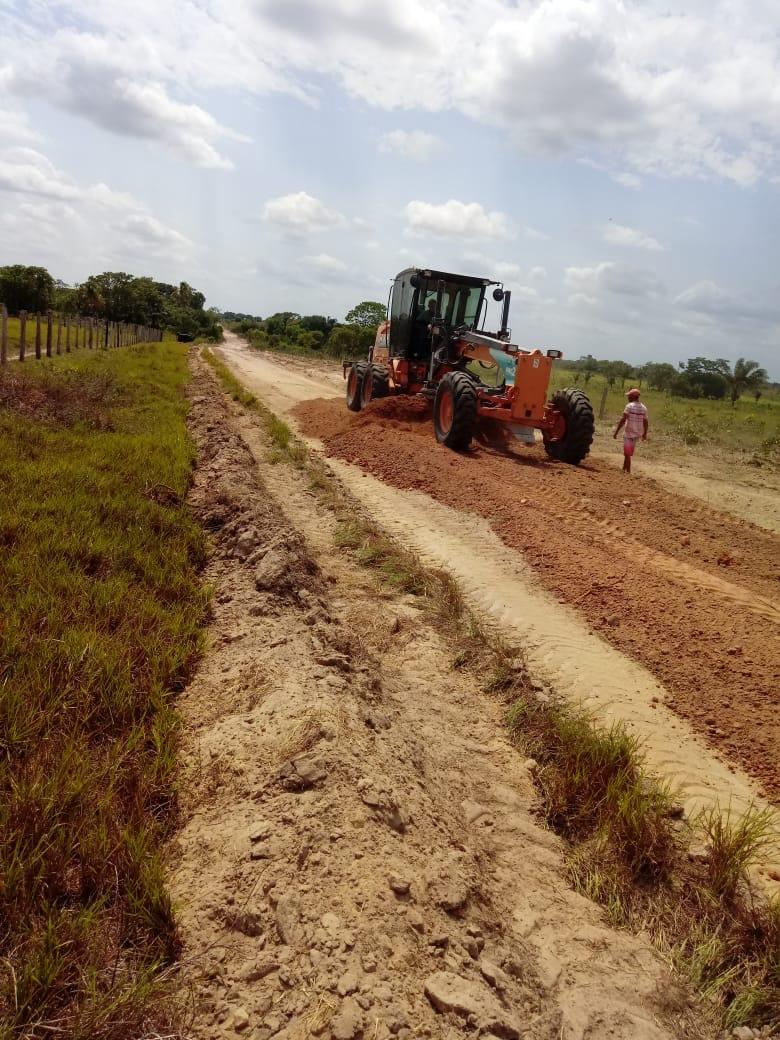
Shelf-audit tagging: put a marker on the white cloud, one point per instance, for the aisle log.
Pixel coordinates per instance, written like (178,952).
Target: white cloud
(456,220)
(715,302)
(28,172)
(620,235)
(368,21)
(15,126)
(637,88)
(535,233)
(150,233)
(411,144)
(88,76)
(622,177)
(325,263)
(45,208)
(628,180)
(301,214)
(491,267)
(611,279)
(538,273)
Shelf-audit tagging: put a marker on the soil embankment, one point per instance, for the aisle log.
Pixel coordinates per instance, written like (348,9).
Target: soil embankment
(689,592)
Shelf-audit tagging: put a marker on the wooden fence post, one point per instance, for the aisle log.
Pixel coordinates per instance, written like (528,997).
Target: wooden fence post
(49,331)
(603,404)
(67,334)
(3,334)
(22,334)
(37,337)
(59,332)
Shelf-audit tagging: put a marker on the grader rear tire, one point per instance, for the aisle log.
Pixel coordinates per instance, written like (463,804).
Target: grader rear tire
(574,444)
(455,410)
(355,377)
(376,384)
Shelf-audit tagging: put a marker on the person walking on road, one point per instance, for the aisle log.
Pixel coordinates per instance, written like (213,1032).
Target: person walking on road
(636,423)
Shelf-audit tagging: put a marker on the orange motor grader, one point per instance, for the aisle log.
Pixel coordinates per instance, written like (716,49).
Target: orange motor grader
(431,346)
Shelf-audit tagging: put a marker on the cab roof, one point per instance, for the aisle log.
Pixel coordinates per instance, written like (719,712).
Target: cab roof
(445,276)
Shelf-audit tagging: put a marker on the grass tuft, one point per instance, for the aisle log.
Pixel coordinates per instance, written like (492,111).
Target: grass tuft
(732,848)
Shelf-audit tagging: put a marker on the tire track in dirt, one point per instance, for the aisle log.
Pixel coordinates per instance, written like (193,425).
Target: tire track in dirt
(644,566)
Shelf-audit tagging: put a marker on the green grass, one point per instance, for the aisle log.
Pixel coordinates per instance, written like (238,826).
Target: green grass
(14,336)
(78,339)
(101,617)
(285,447)
(750,427)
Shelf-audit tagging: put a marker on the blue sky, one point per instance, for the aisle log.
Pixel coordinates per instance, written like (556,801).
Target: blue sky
(617,165)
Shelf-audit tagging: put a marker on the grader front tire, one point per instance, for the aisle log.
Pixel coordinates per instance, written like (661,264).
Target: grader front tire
(376,384)
(574,443)
(355,377)
(455,411)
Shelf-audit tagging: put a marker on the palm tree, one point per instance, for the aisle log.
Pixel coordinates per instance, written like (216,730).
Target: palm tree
(747,375)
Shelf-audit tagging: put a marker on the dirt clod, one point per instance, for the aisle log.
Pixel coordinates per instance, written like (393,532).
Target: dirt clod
(468,999)
(348,1021)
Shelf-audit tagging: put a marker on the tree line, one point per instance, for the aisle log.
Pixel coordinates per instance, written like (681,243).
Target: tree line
(112,296)
(696,378)
(302,333)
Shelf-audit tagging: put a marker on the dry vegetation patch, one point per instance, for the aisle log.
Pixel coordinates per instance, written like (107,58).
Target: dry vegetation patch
(65,396)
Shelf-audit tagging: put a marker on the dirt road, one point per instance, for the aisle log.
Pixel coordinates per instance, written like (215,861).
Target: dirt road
(649,576)
(359,856)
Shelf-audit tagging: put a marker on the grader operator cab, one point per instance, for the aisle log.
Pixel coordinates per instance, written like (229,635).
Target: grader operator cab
(431,345)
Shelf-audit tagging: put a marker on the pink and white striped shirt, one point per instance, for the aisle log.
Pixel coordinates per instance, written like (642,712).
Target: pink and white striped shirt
(635,413)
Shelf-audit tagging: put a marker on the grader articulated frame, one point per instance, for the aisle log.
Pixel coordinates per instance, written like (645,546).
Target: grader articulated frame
(430,345)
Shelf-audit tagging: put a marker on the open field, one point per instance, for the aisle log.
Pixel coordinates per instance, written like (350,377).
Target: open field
(750,428)
(101,614)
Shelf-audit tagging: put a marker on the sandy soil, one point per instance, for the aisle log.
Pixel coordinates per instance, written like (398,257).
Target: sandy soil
(723,481)
(359,857)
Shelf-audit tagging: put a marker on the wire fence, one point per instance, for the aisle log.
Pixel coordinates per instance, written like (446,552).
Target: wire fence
(50,334)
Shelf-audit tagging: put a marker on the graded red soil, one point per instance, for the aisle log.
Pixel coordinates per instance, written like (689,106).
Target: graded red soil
(689,592)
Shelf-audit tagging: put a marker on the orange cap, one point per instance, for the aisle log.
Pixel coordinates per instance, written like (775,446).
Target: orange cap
(633,392)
